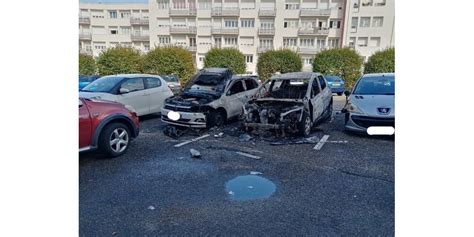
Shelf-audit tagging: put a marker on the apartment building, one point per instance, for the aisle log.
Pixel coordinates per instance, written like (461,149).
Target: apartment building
(369,25)
(102,26)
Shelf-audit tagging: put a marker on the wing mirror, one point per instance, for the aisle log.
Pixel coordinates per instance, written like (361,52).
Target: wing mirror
(124,90)
(347,93)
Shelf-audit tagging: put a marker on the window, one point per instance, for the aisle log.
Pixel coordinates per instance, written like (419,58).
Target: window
(365,22)
(113,14)
(247,23)
(192,42)
(333,42)
(315,87)
(249,58)
(267,24)
(204,4)
(237,87)
(306,42)
(146,46)
(352,41)
(321,43)
(335,24)
(163,4)
(125,30)
(266,43)
(362,41)
(113,30)
(125,14)
(307,61)
(377,21)
(230,41)
(354,22)
(152,82)
(250,84)
(133,84)
(290,23)
(98,14)
(247,41)
(164,39)
(322,82)
(99,45)
(231,23)
(292,6)
(374,42)
(288,42)
(201,58)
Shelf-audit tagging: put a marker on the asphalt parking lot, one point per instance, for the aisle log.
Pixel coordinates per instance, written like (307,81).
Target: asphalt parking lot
(346,188)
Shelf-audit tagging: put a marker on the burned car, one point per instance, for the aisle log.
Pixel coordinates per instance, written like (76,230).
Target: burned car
(209,99)
(289,103)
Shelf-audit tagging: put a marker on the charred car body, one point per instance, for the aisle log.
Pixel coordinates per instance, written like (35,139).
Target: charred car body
(210,98)
(291,102)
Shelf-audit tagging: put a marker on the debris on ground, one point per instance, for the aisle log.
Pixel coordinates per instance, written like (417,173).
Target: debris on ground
(174,132)
(308,140)
(221,134)
(151,208)
(245,137)
(248,155)
(255,172)
(192,140)
(195,153)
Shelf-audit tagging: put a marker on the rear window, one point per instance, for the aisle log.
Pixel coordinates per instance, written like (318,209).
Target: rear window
(333,79)
(379,85)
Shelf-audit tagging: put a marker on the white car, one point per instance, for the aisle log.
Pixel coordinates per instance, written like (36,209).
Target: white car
(145,94)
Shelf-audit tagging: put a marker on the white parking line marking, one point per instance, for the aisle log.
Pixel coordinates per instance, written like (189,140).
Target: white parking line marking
(321,142)
(192,140)
(248,155)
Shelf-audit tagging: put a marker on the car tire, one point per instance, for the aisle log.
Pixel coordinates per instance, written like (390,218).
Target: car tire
(339,94)
(305,125)
(114,140)
(216,118)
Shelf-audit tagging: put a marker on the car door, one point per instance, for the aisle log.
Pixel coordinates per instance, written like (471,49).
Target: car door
(325,91)
(157,91)
(136,97)
(85,126)
(317,99)
(235,97)
(251,86)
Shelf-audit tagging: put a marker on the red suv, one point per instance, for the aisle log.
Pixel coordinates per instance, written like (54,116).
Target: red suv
(107,126)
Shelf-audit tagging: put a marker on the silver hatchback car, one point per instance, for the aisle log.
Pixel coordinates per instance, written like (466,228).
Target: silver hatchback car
(371,102)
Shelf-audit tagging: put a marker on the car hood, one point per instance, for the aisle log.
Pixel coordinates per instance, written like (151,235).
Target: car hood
(97,95)
(375,105)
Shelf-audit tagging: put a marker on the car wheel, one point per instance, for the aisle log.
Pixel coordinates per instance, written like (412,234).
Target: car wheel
(305,125)
(114,140)
(216,118)
(339,94)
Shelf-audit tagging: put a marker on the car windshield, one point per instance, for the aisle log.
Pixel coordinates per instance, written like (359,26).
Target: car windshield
(376,85)
(208,82)
(168,78)
(333,79)
(103,84)
(295,88)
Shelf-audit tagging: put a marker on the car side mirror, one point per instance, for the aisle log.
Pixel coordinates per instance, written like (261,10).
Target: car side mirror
(124,90)
(347,93)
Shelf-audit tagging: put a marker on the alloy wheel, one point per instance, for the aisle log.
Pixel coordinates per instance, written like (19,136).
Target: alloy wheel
(119,140)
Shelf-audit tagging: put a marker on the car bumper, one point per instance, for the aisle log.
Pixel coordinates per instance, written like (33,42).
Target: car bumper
(359,123)
(337,90)
(187,119)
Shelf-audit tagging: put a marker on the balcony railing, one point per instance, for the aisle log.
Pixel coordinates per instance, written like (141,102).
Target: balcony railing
(183,30)
(266,31)
(85,36)
(192,48)
(182,12)
(140,37)
(84,20)
(225,31)
(225,11)
(268,12)
(313,31)
(308,50)
(315,12)
(262,49)
(139,21)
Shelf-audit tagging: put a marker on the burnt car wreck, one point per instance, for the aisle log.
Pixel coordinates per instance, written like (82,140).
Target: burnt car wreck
(209,99)
(289,103)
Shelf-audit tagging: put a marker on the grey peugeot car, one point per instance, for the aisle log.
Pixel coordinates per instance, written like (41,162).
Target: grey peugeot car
(371,103)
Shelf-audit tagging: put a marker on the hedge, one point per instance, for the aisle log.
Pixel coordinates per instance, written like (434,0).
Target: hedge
(170,60)
(282,61)
(87,65)
(343,62)
(119,60)
(381,61)
(226,58)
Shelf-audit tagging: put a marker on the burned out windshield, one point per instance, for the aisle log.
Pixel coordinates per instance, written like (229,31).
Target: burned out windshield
(284,89)
(207,83)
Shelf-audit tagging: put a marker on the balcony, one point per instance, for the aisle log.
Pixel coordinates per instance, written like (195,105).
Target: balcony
(313,31)
(139,21)
(267,12)
(262,49)
(308,50)
(84,20)
(266,31)
(183,30)
(225,31)
(182,12)
(312,12)
(85,36)
(140,37)
(225,11)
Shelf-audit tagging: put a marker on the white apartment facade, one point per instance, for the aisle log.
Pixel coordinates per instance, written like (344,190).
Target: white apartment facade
(370,26)
(103,26)
(252,26)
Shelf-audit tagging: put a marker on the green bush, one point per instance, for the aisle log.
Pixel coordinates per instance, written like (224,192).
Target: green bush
(87,65)
(282,61)
(170,60)
(381,61)
(229,58)
(119,60)
(343,62)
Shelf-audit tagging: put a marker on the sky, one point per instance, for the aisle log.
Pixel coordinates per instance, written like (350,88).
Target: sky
(113,1)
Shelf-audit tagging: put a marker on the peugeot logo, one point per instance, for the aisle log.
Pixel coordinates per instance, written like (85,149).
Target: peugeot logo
(383,110)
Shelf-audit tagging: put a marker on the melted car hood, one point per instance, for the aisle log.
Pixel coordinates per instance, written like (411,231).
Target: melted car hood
(375,105)
(189,99)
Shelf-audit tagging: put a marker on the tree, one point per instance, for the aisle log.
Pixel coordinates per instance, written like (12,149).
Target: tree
(381,61)
(170,60)
(282,61)
(87,65)
(119,60)
(229,58)
(343,62)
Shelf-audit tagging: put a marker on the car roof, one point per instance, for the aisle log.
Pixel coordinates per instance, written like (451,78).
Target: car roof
(134,75)
(379,74)
(291,75)
(215,70)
